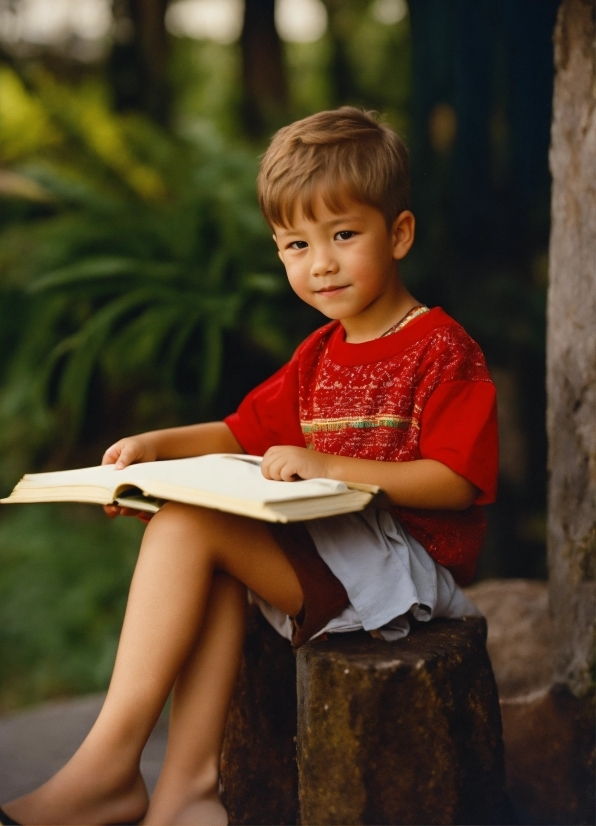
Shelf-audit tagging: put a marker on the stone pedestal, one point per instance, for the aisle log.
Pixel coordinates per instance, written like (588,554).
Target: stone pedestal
(258,767)
(400,733)
(405,732)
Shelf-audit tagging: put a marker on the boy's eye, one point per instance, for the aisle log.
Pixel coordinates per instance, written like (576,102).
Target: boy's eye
(298,245)
(345,234)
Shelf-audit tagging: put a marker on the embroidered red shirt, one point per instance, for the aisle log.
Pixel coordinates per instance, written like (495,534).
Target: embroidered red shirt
(421,393)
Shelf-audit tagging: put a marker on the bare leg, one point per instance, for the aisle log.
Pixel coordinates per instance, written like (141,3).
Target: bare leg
(182,549)
(187,790)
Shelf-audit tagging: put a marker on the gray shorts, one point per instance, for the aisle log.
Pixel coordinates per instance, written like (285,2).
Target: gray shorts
(386,573)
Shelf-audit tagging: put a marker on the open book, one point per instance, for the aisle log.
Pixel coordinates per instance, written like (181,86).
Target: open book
(224,481)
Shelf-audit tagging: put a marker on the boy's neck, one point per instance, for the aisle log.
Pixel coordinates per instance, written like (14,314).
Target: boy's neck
(380,316)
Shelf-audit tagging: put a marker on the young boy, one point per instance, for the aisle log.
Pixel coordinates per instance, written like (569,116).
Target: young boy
(389,393)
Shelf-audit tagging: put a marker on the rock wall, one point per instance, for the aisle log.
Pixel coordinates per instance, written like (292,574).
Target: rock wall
(571,350)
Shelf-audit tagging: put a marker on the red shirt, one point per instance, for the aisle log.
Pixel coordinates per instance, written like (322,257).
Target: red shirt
(421,393)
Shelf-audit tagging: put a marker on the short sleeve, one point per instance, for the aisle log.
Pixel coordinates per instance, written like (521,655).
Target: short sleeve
(458,427)
(269,415)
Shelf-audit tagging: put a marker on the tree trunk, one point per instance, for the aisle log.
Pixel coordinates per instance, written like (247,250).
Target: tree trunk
(342,82)
(265,91)
(138,62)
(571,349)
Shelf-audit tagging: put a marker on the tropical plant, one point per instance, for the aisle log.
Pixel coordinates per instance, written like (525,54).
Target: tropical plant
(64,579)
(146,255)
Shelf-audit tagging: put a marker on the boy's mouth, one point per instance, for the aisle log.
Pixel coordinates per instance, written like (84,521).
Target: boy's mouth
(332,290)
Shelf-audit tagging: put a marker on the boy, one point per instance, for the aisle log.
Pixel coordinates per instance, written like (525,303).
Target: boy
(389,393)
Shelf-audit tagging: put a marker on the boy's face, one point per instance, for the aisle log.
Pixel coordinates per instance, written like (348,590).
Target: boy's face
(345,263)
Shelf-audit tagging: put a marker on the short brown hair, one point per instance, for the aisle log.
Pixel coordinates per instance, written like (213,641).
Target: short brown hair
(338,153)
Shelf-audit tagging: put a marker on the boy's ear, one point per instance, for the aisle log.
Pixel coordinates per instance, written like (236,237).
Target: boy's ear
(274,236)
(402,234)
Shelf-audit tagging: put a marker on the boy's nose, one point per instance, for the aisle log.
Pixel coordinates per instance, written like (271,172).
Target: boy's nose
(324,263)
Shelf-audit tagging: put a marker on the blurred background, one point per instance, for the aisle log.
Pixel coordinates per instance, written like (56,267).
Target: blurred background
(139,287)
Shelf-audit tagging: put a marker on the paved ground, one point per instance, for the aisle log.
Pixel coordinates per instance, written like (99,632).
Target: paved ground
(35,744)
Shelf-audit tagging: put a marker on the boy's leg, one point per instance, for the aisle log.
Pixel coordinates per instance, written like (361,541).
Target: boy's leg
(182,548)
(187,789)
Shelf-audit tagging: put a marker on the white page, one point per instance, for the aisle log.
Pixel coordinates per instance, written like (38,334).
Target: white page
(230,475)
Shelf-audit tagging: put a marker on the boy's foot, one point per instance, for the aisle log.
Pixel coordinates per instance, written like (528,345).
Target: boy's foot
(50,804)
(201,812)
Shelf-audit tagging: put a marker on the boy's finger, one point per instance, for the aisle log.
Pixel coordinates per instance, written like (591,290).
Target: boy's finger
(288,473)
(127,457)
(111,455)
(273,460)
(118,510)
(129,512)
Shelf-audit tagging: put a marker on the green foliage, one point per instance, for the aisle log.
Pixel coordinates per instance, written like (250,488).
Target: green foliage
(205,76)
(145,252)
(64,577)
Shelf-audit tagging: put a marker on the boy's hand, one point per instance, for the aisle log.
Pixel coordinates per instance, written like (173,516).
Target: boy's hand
(284,463)
(126,452)
(129,451)
(421,483)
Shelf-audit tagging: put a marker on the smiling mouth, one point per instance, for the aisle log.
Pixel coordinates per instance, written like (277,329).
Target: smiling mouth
(331,290)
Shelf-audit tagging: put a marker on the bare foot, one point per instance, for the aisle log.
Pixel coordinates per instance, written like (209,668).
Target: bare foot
(60,802)
(207,811)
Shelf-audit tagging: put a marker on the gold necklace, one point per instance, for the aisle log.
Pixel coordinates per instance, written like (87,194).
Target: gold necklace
(419,309)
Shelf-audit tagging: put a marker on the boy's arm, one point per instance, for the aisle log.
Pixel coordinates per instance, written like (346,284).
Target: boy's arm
(173,443)
(423,483)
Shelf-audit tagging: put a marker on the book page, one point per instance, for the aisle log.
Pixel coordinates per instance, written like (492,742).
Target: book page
(230,475)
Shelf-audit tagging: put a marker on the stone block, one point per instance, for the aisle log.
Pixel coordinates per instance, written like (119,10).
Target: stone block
(407,732)
(549,757)
(548,732)
(519,633)
(258,767)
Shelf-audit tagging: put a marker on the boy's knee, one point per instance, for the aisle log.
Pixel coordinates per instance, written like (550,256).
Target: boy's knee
(220,535)
(180,513)
(199,519)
